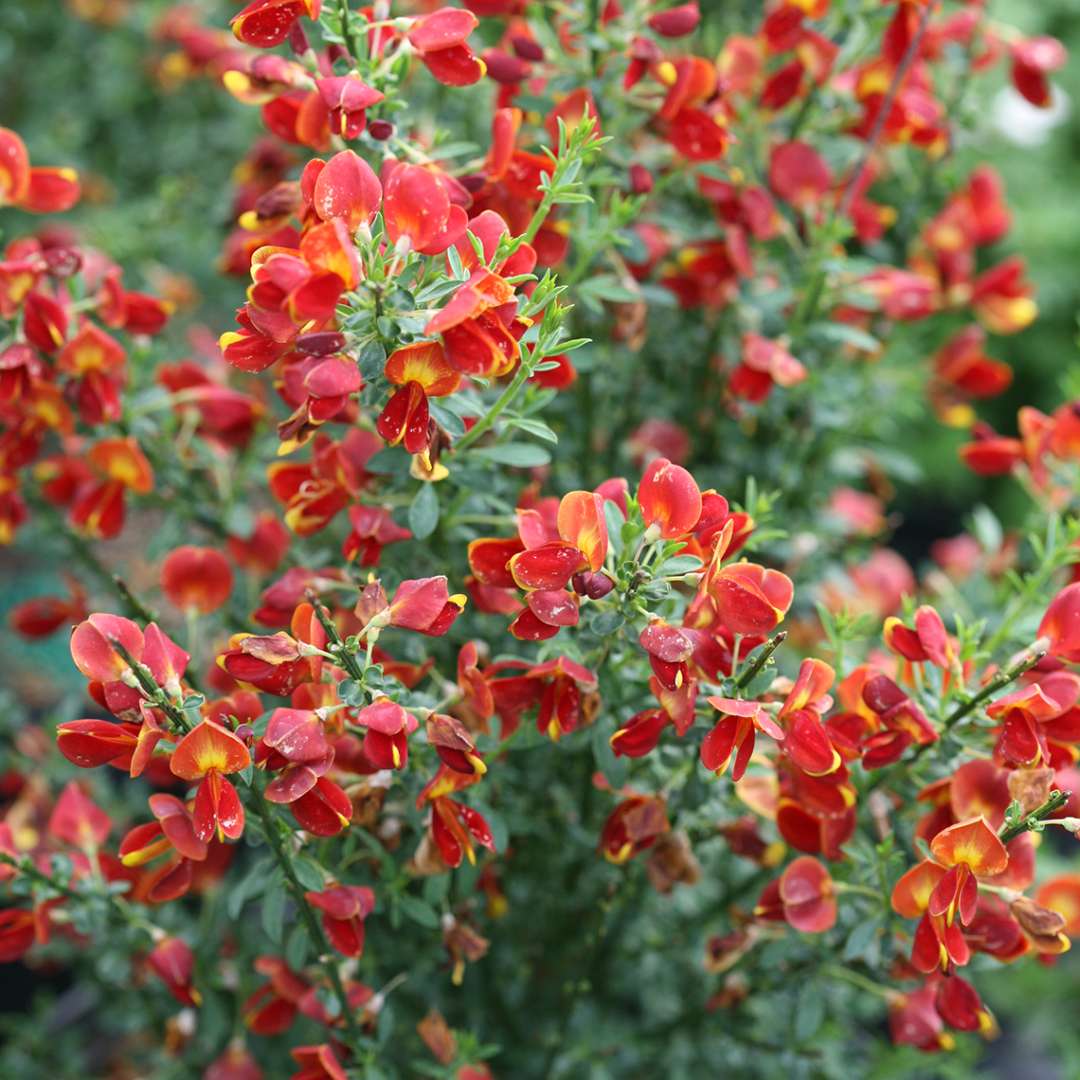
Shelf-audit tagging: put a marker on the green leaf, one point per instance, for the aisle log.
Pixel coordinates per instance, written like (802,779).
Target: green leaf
(861,939)
(419,912)
(424,512)
(309,873)
(296,948)
(535,427)
(809,1011)
(519,455)
(246,889)
(273,908)
(679,564)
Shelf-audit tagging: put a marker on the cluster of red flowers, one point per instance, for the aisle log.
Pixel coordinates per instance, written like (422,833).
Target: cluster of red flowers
(387,301)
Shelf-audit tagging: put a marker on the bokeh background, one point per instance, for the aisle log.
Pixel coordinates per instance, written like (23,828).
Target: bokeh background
(86,85)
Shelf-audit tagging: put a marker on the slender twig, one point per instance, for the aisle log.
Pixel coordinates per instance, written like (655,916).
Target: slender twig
(761,660)
(154,693)
(307,913)
(998,682)
(1055,801)
(488,419)
(337,646)
(899,75)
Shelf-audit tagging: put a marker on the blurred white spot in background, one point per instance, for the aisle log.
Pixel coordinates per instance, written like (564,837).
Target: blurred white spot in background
(1023,123)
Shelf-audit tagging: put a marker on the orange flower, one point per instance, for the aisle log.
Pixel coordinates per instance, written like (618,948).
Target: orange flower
(196,579)
(208,753)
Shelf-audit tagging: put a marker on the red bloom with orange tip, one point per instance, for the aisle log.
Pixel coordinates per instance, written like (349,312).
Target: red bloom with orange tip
(317,1063)
(453,744)
(968,849)
(440,39)
(669,498)
(89,743)
(196,579)
(174,963)
(764,364)
(734,734)
(929,640)
(344,187)
(417,210)
(1061,624)
(422,371)
(208,753)
(324,810)
(457,829)
(803,896)
(44,615)
(632,827)
(98,508)
(344,909)
(386,739)
(640,734)
(18,932)
(347,97)
(677,21)
(276,664)
(77,820)
(266,23)
(39,190)
(426,606)
(799,174)
(92,646)
(749,599)
(1032,61)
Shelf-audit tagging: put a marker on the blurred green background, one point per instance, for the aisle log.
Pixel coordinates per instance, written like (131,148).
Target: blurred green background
(159,163)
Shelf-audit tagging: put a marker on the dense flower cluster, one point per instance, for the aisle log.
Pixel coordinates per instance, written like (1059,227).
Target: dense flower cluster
(395,592)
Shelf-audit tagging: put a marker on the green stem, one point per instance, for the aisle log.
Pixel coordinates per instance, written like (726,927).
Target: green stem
(761,660)
(154,693)
(307,913)
(835,971)
(998,682)
(347,30)
(485,422)
(1055,801)
(342,654)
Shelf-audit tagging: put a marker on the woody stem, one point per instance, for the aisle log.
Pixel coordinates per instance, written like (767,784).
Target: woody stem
(311,921)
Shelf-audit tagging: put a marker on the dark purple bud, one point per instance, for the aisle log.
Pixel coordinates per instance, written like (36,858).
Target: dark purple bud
(298,41)
(526,48)
(578,582)
(641,181)
(320,343)
(380,129)
(598,585)
(504,68)
(473,182)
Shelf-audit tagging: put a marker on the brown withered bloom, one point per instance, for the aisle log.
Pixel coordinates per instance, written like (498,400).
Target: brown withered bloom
(672,862)
(464,945)
(438,1037)
(1045,929)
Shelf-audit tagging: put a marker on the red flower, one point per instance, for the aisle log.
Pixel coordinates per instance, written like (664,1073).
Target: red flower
(196,579)
(344,908)
(440,39)
(208,753)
